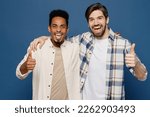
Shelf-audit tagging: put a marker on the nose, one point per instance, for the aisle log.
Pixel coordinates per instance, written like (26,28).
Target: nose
(96,22)
(58,29)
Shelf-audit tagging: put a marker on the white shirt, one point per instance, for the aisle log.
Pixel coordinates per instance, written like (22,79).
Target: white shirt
(94,87)
(43,71)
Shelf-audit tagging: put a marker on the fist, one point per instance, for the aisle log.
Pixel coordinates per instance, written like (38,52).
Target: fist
(30,63)
(130,58)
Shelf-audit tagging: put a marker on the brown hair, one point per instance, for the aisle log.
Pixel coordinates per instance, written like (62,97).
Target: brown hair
(96,6)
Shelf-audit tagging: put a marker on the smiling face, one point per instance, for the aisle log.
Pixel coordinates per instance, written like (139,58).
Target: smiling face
(58,29)
(98,23)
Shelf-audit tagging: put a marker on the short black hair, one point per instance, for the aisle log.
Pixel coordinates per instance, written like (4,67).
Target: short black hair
(59,13)
(96,6)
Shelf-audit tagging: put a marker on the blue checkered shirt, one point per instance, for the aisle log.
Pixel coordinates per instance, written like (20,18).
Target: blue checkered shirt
(117,48)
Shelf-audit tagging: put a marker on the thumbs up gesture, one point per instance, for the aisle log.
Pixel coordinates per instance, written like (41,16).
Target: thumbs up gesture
(130,58)
(30,63)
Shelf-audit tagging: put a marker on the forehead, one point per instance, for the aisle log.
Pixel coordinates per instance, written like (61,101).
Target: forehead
(96,13)
(58,20)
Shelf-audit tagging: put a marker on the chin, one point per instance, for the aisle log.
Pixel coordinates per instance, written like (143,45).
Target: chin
(58,40)
(97,35)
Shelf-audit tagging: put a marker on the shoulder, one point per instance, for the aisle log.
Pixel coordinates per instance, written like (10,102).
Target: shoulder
(45,47)
(71,46)
(47,43)
(86,35)
(118,38)
(122,40)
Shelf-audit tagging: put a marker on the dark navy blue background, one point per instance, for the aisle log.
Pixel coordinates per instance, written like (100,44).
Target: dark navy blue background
(23,20)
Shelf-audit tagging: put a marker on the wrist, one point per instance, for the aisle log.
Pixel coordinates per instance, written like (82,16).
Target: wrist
(137,62)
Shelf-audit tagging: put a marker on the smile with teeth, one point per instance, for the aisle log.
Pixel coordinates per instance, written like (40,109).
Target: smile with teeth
(58,35)
(97,27)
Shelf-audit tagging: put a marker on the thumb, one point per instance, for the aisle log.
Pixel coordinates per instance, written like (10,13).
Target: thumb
(132,49)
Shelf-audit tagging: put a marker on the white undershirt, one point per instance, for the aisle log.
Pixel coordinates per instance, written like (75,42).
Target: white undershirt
(94,87)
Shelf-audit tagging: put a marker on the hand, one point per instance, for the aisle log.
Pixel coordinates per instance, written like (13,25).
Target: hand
(130,58)
(117,35)
(30,63)
(41,40)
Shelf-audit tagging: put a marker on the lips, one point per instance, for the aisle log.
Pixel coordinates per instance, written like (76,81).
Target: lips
(58,35)
(97,27)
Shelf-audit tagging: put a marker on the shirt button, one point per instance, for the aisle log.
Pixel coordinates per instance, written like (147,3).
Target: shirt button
(50,74)
(53,52)
(51,63)
(49,85)
(47,96)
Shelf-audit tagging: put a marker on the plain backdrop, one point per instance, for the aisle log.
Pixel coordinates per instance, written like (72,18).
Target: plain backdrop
(23,20)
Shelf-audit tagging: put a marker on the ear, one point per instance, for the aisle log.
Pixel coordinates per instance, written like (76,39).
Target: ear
(107,20)
(49,29)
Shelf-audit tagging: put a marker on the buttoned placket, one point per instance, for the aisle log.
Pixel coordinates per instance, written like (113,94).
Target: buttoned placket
(51,73)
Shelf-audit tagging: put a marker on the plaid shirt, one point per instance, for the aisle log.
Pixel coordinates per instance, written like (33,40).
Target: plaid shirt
(117,48)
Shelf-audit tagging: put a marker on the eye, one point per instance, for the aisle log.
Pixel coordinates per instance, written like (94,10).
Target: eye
(100,17)
(63,26)
(91,19)
(54,26)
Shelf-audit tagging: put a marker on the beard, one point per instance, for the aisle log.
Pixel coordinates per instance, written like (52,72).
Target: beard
(57,43)
(101,33)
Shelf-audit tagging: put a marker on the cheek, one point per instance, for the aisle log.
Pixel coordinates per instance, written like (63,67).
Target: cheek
(64,31)
(103,22)
(90,24)
(52,30)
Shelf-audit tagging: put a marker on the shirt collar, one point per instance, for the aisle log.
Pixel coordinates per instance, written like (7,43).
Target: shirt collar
(112,35)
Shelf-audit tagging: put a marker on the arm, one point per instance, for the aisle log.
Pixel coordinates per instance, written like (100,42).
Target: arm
(41,40)
(75,39)
(25,66)
(78,38)
(140,70)
(38,41)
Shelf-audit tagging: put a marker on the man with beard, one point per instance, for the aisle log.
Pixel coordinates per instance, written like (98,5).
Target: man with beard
(103,55)
(56,66)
